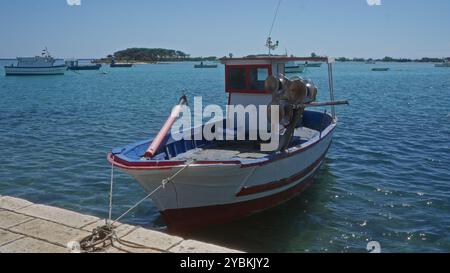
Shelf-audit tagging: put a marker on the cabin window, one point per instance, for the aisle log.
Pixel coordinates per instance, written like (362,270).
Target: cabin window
(237,78)
(257,78)
(247,78)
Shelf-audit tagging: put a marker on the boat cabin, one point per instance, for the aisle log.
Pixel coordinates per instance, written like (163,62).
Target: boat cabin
(37,61)
(245,77)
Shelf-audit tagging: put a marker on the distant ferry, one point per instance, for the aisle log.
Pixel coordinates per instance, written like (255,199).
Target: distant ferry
(39,65)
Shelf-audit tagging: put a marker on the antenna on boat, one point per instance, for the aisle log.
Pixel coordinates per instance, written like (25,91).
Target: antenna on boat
(269,44)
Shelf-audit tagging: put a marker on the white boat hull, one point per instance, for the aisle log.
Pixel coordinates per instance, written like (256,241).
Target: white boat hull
(212,194)
(22,71)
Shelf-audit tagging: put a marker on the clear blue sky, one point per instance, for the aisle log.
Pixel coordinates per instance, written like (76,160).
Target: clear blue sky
(352,28)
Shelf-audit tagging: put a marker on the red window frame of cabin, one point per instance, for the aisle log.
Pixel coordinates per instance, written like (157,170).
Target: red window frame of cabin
(247,78)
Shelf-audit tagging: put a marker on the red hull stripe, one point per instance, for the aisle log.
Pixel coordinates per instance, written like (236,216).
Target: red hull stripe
(181,221)
(144,165)
(280,183)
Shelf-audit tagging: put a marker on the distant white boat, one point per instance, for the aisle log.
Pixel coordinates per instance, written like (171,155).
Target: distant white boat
(39,65)
(202,65)
(292,67)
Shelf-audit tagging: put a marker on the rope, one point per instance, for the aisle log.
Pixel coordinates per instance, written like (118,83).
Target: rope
(100,237)
(111,189)
(164,182)
(275,18)
(103,234)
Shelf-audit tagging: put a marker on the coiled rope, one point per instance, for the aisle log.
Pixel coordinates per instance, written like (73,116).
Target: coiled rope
(105,234)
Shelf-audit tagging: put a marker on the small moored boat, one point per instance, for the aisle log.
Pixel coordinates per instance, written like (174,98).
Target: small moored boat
(119,65)
(39,65)
(292,67)
(202,65)
(217,181)
(74,65)
(381,69)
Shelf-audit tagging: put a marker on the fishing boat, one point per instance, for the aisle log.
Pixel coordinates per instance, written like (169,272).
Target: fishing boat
(74,65)
(208,182)
(202,65)
(380,69)
(308,64)
(120,65)
(38,65)
(292,67)
(444,64)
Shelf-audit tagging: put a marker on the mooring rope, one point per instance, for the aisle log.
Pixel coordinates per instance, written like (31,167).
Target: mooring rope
(111,189)
(102,234)
(275,18)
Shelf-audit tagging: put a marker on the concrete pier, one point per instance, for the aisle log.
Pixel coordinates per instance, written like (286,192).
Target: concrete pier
(26,227)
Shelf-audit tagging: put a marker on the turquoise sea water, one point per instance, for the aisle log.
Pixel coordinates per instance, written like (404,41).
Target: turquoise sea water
(386,177)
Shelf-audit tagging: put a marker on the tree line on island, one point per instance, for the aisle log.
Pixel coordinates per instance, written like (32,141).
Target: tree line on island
(154,55)
(396,60)
(390,59)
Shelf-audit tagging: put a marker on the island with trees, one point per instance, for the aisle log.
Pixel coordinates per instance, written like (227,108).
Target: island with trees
(151,55)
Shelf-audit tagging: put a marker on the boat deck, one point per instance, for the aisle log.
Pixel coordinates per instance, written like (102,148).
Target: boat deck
(226,150)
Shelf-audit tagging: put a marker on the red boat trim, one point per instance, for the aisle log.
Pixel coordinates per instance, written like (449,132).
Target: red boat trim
(280,183)
(160,165)
(181,221)
(145,165)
